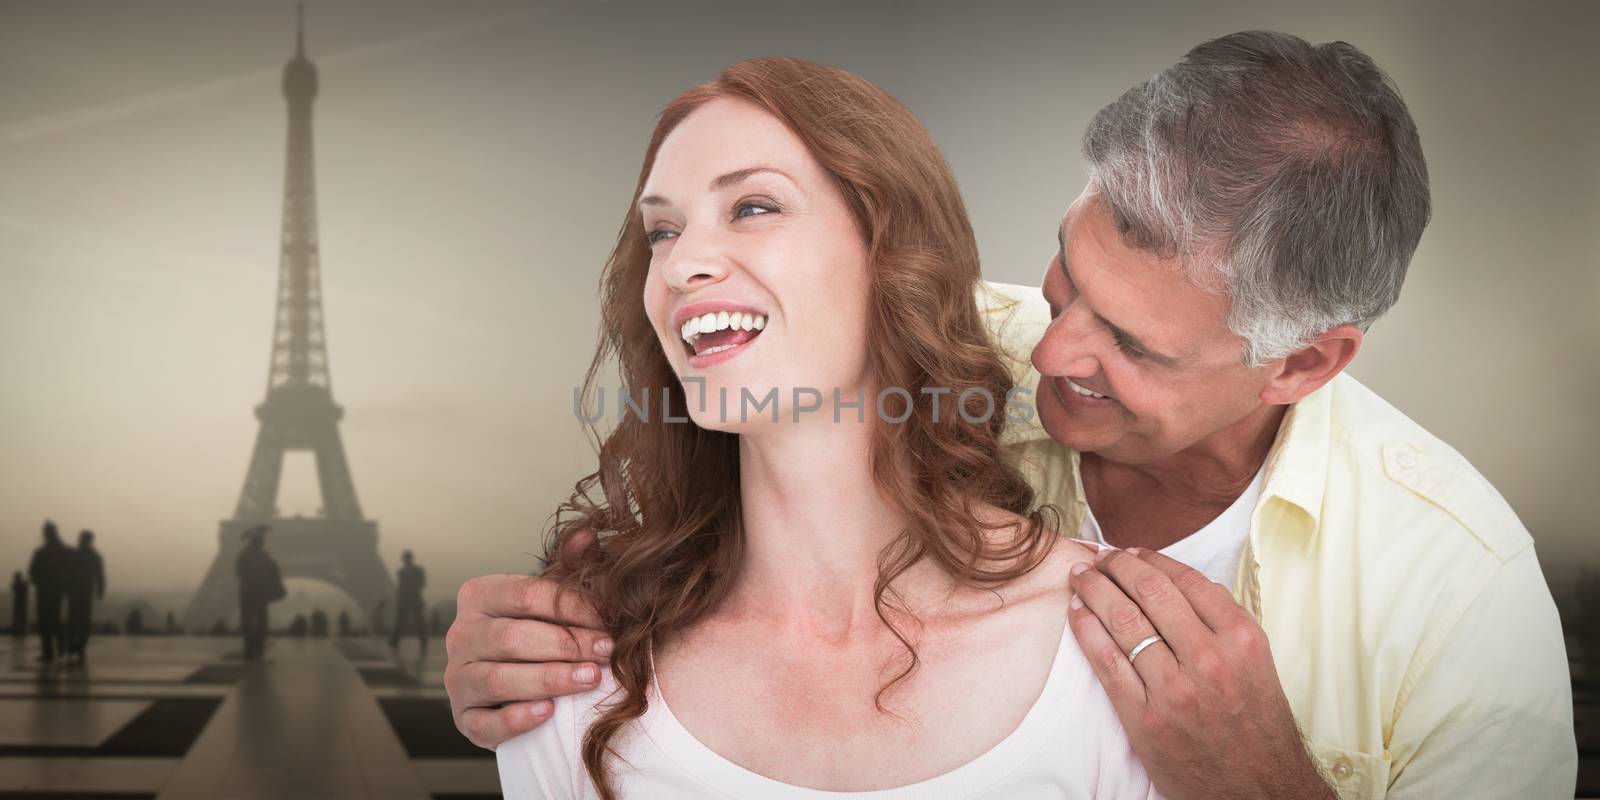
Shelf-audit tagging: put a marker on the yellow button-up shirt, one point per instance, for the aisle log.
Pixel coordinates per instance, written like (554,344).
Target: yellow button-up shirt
(1410,623)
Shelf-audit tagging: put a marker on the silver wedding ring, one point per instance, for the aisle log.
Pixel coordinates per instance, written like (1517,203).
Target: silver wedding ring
(1139,648)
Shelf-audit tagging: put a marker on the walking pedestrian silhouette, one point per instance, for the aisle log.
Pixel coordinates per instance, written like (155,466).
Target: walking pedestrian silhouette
(260,583)
(51,570)
(19,604)
(408,602)
(87,583)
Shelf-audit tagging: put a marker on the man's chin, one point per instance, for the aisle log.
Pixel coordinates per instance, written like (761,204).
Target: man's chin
(1060,425)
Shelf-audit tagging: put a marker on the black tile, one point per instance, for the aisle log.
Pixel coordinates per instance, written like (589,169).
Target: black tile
(427,729)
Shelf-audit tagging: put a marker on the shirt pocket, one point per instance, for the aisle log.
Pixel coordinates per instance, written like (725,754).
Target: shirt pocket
(1354,775)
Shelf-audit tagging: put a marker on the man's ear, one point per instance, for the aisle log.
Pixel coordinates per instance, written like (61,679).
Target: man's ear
(1307,369)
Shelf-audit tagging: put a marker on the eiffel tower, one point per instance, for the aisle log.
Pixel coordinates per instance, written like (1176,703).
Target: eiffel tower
(339,546)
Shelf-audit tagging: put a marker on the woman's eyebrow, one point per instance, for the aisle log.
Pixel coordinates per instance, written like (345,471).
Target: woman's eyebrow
(721,182)
(724,181)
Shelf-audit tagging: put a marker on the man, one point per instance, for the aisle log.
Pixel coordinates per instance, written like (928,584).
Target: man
(88,582)
(50,570)
(1251,211)
(19,605)
(260,583)
(408,602)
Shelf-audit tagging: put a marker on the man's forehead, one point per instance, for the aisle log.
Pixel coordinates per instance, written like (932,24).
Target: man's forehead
(1144,293)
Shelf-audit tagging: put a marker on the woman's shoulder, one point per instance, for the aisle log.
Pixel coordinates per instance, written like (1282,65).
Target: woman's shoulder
(1005,531)
(548,760)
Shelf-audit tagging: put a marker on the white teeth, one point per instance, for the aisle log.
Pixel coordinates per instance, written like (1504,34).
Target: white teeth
(1085,392)
(694,327)
(719,348)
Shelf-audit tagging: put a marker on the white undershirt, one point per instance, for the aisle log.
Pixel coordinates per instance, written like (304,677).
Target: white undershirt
(1215,549)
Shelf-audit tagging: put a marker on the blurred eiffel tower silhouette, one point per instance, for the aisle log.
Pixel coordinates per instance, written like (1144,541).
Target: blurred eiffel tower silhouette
(338,546)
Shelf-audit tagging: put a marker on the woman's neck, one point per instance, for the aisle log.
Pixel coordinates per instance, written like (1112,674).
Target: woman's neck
(814,524)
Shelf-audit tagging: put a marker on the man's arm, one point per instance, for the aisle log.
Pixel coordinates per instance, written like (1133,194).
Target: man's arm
(1491,714)
(511,649)
(1203,706)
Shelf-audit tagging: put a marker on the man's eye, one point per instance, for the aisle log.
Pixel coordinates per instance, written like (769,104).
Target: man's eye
(655,236)
(1125,346)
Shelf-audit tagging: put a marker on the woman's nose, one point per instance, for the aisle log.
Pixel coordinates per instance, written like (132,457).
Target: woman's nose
(698,258)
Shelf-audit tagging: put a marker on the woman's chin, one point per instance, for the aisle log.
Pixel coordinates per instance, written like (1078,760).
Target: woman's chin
(712,419)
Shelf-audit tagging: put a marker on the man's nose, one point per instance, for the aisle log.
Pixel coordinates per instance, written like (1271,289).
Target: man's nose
(1067,347)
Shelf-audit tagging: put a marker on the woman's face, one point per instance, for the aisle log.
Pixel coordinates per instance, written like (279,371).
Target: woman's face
(758,272)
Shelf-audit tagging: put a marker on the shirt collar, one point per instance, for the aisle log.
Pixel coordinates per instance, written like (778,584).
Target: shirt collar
(1297,464)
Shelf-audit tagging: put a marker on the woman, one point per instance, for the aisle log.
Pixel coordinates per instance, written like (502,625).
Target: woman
(797,275)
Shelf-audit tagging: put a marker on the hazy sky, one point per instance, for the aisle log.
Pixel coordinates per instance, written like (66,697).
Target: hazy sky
(474,162)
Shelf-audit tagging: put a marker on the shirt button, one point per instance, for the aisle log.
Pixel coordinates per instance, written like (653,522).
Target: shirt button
(1342,769)
(1407,460)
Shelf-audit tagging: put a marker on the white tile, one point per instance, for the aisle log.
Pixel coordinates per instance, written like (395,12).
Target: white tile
(70,723)
(19,774)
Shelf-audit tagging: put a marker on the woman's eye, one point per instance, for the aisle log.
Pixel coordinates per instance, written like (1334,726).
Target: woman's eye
(751,210)
(655,236)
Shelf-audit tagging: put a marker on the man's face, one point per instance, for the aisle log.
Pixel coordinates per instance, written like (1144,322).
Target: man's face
(1128,326)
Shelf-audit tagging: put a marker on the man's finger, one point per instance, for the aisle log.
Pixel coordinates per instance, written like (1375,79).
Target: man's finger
(1166,607)
(1120,680)
(492,683)
(491,727)
(510,639)
(573,548)
(1121,618)
(526,597)
(1211,601)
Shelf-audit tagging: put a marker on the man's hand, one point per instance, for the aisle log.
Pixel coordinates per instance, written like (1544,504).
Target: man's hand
(502,623)
(1203,707)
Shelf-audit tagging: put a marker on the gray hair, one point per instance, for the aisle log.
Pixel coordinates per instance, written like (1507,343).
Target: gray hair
(1287,175)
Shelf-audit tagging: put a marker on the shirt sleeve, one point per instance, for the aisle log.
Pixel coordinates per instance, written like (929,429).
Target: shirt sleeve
(1491,716)
(544,763)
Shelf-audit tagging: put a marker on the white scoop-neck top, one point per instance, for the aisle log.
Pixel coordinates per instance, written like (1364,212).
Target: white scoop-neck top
(1068,745)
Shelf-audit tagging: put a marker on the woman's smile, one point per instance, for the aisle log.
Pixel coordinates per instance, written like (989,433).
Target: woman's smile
(715,331)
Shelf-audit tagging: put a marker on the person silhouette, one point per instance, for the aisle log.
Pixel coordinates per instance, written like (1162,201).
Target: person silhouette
(51,570)
(87,583)
(344,623)
(260,583)
(408,602)
(19,604)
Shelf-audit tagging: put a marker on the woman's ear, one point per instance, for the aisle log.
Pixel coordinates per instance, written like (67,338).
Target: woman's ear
(1307,369)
